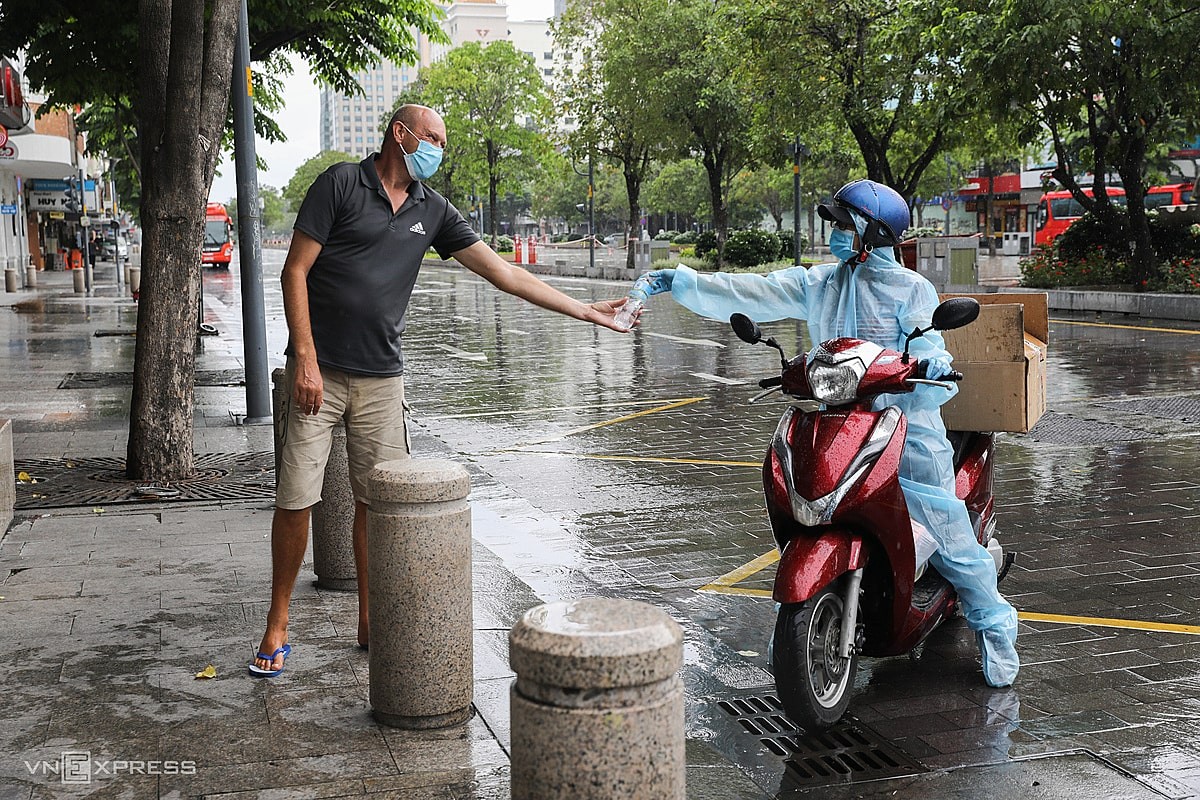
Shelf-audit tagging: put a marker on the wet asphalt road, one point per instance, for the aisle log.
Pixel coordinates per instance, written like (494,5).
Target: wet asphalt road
(641,455)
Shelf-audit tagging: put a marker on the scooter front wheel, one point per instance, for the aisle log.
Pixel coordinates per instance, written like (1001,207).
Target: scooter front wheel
(813,681)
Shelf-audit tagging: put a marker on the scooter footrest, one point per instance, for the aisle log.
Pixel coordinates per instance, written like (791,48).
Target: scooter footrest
(929,589)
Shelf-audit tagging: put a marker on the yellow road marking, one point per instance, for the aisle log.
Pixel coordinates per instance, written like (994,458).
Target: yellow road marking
(687,401)
(726,584)
(634,459)
(1124,327)
(1105,622)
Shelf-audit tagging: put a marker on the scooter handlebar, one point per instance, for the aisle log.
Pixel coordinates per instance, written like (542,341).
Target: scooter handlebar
(767,383)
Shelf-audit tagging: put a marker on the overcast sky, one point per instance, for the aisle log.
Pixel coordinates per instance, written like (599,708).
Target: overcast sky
(301,120)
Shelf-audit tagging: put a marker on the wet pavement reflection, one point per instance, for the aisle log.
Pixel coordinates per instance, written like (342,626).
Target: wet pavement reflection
(628,465)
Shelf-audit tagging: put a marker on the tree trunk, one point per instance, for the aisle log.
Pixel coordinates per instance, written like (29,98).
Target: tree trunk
(714,165)
(633,188)
(493,182)
(1142,259)
(186,63)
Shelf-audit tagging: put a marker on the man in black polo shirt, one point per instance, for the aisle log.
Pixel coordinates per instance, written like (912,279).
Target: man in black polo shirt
(359,239)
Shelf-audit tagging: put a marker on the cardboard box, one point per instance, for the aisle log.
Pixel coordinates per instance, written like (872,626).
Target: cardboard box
(1002,356)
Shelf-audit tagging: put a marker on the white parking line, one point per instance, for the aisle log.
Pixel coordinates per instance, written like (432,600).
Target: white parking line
(717,378)
(701,342)
(463,354)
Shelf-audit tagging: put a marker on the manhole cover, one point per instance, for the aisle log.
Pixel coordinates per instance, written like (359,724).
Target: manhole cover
(1186,408)
(1056,428)
(108,380)
(849,752)
(66,482)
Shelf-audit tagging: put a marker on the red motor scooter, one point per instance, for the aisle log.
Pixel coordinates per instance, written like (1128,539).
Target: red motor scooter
(851,578)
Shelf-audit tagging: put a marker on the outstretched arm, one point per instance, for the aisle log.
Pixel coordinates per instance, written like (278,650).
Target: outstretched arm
(483,261)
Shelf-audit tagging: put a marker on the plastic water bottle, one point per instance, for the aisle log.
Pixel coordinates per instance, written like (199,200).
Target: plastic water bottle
(634,301)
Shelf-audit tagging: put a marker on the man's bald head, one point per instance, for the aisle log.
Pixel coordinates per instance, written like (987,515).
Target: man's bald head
(421,121)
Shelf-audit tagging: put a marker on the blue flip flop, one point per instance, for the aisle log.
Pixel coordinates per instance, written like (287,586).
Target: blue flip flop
(258,671)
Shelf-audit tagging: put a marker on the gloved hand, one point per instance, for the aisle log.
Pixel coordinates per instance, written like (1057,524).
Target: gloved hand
(937,368)
(659,281)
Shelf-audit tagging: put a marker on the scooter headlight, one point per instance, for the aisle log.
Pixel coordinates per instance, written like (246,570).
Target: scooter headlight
(835,384)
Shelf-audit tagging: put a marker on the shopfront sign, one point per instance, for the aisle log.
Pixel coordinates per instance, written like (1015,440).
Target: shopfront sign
(8,209)
(8,152)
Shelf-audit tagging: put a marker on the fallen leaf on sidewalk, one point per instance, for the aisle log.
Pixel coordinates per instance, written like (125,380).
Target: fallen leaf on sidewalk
(97,510)
(749,653)
(208,672)
(25,477)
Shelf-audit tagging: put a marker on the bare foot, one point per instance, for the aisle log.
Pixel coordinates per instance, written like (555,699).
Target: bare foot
(272,640)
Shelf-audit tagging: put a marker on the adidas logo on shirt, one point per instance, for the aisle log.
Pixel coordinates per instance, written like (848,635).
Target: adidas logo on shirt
(418,228)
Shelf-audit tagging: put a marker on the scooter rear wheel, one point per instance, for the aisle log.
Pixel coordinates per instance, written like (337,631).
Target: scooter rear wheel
(814,682)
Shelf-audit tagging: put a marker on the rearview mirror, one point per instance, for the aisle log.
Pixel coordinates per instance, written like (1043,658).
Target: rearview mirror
(956,312)
(746,329)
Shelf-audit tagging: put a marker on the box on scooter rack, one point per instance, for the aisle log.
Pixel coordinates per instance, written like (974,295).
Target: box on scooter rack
(1002,356)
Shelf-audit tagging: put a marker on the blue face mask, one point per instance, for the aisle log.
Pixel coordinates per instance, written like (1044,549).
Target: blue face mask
(423,163)
(841,244)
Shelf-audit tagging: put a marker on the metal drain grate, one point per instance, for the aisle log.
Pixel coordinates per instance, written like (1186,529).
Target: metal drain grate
(1056,428)
(846,753)
(62,483)
(1185,408)
(110,380)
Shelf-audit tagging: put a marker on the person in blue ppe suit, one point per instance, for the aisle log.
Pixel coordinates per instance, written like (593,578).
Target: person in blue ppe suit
(867,295)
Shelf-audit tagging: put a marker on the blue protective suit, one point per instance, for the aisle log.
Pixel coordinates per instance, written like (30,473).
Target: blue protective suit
(881,301)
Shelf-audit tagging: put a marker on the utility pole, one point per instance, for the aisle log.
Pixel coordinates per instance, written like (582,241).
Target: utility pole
(797,151)
(85,224)
(254,324)
(947,202)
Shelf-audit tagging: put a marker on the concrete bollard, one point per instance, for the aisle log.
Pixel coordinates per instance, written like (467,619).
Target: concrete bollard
(10,280)
(333,521)
(135,280)
(79,278)
(597,706)
(419,587)
(31,275)
(333,517)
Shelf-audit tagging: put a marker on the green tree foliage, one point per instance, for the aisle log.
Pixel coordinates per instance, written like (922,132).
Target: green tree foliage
(610,93)
(307,172)
(695,52)
(494,103)
(680,187)
(870,67)
(274,208)
(1114,72)
(164,67)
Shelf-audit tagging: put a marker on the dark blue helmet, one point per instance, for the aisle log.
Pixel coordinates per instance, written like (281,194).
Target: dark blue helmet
(881,206)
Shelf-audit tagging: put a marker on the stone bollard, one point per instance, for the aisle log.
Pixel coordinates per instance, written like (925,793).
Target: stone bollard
(597,706)
(135,280)
(80,280)
(333,521)
(10,280)
(31,275)
(419,587)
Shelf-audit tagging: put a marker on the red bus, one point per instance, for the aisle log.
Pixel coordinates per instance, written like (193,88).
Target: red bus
(1175,194)
(217,249)
(1057,210)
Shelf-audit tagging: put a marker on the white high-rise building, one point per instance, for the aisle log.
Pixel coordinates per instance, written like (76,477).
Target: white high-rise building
(354,124)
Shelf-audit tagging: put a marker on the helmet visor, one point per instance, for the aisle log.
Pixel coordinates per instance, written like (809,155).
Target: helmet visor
(837,215)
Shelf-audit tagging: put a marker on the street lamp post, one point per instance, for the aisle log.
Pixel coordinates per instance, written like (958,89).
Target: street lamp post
(796,151)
